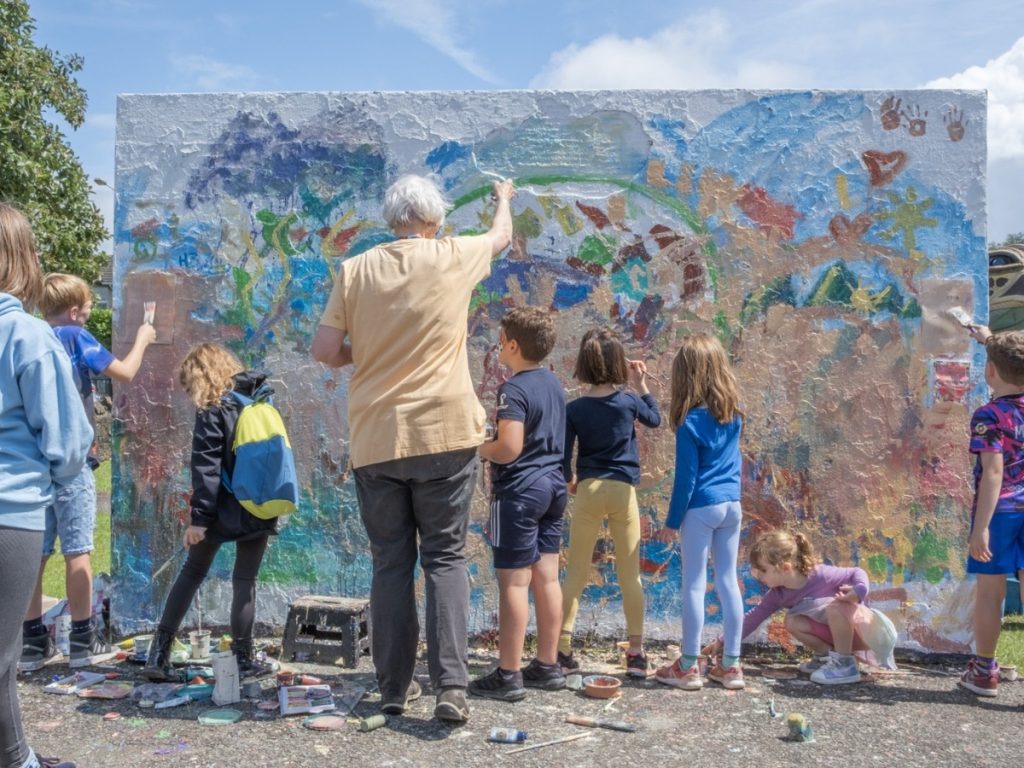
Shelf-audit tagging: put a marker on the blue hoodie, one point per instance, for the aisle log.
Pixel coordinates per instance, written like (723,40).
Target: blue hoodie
(44,433)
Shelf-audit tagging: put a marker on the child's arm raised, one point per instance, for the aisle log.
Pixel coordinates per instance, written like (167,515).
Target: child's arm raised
(988,494)
(125,370)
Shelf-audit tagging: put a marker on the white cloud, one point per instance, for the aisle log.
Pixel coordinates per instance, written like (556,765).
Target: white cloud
(434,22)
(1004,79)
(211,74)
(695,53)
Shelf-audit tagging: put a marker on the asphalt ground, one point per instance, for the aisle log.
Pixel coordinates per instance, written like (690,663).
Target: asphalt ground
(915,717)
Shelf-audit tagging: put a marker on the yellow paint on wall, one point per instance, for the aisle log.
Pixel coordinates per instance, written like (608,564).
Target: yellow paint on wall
(843,192)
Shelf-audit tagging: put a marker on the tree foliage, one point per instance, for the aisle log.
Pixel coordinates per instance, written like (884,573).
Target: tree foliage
(39,172)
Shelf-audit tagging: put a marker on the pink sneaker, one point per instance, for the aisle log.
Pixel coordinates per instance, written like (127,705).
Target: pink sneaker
(731,678)
(677,677)
(979,682)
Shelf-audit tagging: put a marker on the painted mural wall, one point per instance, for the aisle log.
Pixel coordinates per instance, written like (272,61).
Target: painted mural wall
(820,235)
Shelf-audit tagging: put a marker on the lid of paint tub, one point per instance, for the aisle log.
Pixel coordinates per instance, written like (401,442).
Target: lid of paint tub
(224,716)
(324,722)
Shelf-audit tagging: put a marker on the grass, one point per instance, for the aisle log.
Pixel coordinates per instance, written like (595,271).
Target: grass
(1011,642)
(53,576)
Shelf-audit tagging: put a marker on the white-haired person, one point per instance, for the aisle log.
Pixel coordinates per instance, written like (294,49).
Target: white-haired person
(398,312)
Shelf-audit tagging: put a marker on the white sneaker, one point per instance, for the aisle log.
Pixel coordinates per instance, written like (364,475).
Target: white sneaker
(838,670)
(813,664)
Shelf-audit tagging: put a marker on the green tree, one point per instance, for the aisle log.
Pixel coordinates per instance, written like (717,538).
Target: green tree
(38,170)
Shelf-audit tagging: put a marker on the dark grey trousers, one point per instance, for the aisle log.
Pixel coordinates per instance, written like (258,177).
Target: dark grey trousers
(426,497)
(19,565)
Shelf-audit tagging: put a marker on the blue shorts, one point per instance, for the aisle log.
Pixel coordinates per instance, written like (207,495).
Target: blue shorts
(1006,542)
(72,517)
(528,524)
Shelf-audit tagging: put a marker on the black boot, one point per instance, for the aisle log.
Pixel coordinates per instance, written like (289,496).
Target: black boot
(248,664)
(158,661)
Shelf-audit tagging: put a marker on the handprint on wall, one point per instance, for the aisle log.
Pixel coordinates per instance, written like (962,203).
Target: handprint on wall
(956,126)
(891,113)
(917,122)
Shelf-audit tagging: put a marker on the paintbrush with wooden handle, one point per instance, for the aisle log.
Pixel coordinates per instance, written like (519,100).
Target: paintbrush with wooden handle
(593,722)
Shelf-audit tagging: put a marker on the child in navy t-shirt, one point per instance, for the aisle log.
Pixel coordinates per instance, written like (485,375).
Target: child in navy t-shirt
(525,526)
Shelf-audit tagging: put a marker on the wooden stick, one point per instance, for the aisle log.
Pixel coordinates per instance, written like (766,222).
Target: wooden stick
(593,722)
(550,743)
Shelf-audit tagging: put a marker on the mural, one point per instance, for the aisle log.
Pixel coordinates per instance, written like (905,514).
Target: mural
(820,235)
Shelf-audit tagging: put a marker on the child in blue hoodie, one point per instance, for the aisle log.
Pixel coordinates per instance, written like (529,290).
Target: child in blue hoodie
(44,440)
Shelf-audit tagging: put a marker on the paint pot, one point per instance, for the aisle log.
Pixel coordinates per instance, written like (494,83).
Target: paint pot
(507,736)
(372,723)
(286,678)
(601,686)
(220,717)
(112,716)
(140,644)
(308,680)
(63,632)
(1008,672)
(324,722)
(224,644)
(226,689)
(623,650)
(200,641)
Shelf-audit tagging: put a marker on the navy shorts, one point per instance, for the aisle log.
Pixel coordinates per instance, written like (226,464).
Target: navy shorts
(525,525)
(1006,542)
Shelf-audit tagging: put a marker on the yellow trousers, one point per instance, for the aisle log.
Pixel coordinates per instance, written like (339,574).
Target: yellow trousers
(597,500)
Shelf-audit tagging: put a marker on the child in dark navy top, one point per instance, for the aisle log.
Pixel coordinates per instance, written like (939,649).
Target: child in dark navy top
(525,526)
(603,422)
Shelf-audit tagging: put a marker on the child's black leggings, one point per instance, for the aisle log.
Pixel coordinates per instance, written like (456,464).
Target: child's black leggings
(248,556)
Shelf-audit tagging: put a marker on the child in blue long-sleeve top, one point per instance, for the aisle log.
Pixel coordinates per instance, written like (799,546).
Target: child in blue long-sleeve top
(705,507)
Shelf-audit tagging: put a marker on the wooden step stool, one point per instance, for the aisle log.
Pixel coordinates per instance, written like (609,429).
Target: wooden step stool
(325,629)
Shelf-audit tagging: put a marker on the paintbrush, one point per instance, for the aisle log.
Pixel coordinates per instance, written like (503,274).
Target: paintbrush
(149,312)
(593,722)
(550,743)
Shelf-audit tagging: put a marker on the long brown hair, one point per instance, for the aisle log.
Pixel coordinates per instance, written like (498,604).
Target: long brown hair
(206,373)
(20,274)
(701,375)
(601,360)
(778,547)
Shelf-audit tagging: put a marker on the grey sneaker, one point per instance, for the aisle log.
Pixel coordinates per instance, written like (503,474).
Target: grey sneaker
(500,686)
(548,677)
(87,648)
(37,652)
(451,706)
(395,705)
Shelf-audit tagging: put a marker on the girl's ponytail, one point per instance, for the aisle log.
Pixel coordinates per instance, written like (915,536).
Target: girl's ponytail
(805,559)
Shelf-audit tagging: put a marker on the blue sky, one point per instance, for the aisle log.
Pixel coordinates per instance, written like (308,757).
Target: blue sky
(184,46)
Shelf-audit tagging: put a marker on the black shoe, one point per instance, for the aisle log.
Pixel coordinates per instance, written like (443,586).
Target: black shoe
(549,677)
(396,705)
(37,652)
(248,665)
(499,685)
(637,664)
(87,648)
(158,667)
(568,663)
(451,706)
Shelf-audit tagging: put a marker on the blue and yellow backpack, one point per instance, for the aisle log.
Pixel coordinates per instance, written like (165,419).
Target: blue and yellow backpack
(264,479)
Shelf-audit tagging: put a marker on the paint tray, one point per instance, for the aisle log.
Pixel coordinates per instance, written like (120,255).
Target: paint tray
(305,699)
(72,684)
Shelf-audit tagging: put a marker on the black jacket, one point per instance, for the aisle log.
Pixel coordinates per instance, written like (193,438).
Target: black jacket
(213,506)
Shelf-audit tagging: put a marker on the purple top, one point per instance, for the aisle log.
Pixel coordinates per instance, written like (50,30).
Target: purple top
(997,427)
(822,581)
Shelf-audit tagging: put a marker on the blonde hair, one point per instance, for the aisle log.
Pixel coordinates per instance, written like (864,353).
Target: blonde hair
(778,547)
(701,375)
(206,373)
(62,292)
(20,274)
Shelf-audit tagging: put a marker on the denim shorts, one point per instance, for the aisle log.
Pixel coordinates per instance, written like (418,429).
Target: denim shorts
(528,524)
(1006,542)
(72,517)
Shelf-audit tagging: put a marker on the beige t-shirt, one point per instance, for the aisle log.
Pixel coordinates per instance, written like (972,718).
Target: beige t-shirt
(405,308)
